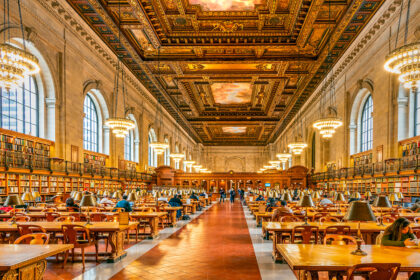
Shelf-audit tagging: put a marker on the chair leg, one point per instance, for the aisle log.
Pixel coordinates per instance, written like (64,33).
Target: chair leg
(83,257)
(96,251)
(106,242)
(72,255)
(65,258)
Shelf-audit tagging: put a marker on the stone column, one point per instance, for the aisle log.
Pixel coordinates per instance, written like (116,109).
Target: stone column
(411,112)
(50,116)
(353,139)
(402,117)
(136,150)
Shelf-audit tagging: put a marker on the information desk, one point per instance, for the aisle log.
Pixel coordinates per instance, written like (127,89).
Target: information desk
(116,233)
(304,258)
(27,262)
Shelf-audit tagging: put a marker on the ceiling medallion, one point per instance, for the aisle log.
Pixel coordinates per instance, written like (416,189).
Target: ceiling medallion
(227,26)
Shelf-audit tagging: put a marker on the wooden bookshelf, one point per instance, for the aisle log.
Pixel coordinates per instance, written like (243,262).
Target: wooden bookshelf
(361,159)
(96,159)
(409,147)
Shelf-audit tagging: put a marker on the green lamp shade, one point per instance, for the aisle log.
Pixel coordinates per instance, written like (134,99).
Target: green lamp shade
(78,196)
(340,198)
(360,211)
(87,201)
(382,201)
(355,195)
(27,196)
(306,201)
(393,197)
(132,197)
(286,197)
(117,195)
(13,200)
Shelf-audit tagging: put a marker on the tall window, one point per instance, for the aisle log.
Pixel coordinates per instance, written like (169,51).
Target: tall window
(166,158)
(20,108)
(367,125)
(90,126)
(152,161)
(128,146)
(417,114)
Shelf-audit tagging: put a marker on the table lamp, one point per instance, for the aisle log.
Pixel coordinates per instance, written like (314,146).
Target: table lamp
(393,198)
(347,193)
(333,193)
(306,202)
(27,197)
(36,196)
(359,211)
(339,198)
(117,195)
(287,197)
(316,195)
(400,196)
(106,193)
(368,195)
(13,200)
(382,202)
(72,194)
(132,197)
(78,196)
(88,201)
(100,193)
(355,195)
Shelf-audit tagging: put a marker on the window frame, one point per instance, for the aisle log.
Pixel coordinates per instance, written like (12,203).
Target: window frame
(87,144)
(367,108)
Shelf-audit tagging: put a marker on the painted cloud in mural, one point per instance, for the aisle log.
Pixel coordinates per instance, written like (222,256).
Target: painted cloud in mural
(226,5)
(234,129)
(231,93)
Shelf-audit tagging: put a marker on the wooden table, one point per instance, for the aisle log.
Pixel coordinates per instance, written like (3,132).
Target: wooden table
(172,213)
(304,258)
(261,217)
(116,233)
(153,219)
(368,231)
(26,262)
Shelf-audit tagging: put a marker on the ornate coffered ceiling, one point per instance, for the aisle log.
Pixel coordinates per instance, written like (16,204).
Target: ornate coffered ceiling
(231,72)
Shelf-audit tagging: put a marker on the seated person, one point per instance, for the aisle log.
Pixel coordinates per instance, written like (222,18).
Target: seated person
(353,199)
(271,203)
(416,205)
(260,198)
(325,201)
(162,198)
(175,201)
(124,204)
(193,196)
(283,210)
(106,200)
(72,205)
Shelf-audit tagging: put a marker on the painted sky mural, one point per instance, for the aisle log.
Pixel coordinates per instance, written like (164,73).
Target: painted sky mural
(234,129)
(231,93)
(226,5)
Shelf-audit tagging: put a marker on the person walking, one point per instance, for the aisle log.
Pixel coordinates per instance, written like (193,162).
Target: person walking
(232,195)
(222,195)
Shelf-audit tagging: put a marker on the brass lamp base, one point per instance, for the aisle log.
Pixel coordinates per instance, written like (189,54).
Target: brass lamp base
(359,251)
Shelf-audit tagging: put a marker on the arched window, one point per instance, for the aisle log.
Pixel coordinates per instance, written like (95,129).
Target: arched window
(366,125)
(166,158)
(20,108)
(152,160)
(128,146)
(90,126)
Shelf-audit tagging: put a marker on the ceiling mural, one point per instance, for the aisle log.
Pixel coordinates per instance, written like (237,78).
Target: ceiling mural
(226,5)
(234,129)
(231,93)
(229,63)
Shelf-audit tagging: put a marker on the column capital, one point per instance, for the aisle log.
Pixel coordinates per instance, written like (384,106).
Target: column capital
(402,101)
(50,102)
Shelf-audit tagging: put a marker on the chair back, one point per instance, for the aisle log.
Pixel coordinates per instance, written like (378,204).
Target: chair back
(306,232)
(77,216)
(65,219)
(97,217)
(33,239)
(378,240)
(28,229)
(339,239)
(388,219)
(375,271)
(51,209)
(317,216)
(72,234)
(337,230)
(327,219)
(21,218)
(261,208)
(416,231)
(289,219)
(51,216)
(404,211)
(118,209)
(17,210)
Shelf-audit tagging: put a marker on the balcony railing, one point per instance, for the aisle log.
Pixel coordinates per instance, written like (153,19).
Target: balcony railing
(392,165)
(9,159)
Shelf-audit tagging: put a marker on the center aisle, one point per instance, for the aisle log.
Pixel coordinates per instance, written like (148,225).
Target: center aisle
(216,245)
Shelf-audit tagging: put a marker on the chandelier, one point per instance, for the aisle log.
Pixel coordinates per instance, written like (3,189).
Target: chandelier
(405,61)
(284,157)
(15,63)
(159,147)
(327,126)
(177,157)
(120,126)
(274,163)
(297,147)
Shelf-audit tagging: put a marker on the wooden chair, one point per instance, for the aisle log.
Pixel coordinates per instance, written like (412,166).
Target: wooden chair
(327,219)
(307,234)
(118,210)
(28,229)
(416,231)
(17,210)
(388,219)
(77,216)
(317,216)
(339,239)
(51,216)
(51,209)
(73,234)
(97,217)
(404,211)
(337,230)
(375,271)
(261,208)
(65,219)
(21,218)
(290,219)
(33,239)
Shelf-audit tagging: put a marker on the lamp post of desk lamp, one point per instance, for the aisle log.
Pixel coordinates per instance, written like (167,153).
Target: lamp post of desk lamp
(13,200)
(382,202)
(306,202)
(88,201)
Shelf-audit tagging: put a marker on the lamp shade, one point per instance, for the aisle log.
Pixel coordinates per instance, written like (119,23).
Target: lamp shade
(400,195)
(360,211)
(72,194)
(87,201)
(382,201)
(78,196)
(306,201)
(316,195)
(13,200)
(355,195)
(368,194)
(393,197)
(100,192)
(340,198)
(132,197)
(35,194)
(27,196)
(106,193)
(286,197)
(117,195)
(346,193)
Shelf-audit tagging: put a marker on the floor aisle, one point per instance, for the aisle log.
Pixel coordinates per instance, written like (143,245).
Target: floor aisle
(216,245)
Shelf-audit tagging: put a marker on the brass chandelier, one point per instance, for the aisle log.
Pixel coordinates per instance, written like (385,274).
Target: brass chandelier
(15,63)
(405,60)
(120,126)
